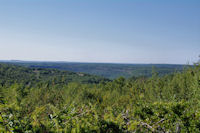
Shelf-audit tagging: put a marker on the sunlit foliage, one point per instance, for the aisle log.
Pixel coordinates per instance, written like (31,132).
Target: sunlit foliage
(50,102)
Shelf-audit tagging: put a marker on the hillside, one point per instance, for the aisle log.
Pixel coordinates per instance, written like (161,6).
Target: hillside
(14,73)
(106,70)
(170,103)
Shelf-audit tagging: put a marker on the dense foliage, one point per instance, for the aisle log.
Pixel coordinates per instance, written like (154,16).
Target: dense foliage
(170,103)
(110,71)
(11,73)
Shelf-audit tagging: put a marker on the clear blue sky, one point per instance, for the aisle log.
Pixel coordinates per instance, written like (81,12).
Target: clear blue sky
(123,31)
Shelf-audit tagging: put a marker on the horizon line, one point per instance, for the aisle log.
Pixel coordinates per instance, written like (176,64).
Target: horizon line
(61,61)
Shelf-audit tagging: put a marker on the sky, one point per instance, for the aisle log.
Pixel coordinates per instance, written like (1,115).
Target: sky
(109,31)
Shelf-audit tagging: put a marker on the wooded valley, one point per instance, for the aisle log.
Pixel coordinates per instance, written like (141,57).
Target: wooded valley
(50,100)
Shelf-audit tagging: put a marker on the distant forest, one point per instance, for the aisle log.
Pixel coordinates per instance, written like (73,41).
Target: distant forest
(106,70)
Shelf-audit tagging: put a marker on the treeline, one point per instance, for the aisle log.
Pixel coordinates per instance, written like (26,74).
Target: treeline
(170,103)
(17,74)
(106,70)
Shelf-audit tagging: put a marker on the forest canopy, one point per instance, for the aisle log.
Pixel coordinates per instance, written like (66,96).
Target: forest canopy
(51,100)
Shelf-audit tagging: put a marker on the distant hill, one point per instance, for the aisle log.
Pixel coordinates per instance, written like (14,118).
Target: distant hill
(107,70)
(10,73)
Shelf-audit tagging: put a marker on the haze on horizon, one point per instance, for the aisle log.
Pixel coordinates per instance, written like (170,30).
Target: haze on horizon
(128,31)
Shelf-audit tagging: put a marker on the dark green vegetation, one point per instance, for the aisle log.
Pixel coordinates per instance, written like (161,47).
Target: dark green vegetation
(110,71)
(45,100)
(11,74)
